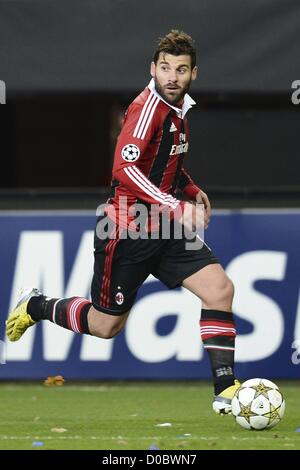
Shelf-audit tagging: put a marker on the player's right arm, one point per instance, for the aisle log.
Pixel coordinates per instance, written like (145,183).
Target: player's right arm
(139,127)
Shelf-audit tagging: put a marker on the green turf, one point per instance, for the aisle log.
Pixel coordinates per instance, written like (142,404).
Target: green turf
(126,415)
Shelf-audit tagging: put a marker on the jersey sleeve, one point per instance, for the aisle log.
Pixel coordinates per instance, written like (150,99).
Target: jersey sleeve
(187,185)
(139,127)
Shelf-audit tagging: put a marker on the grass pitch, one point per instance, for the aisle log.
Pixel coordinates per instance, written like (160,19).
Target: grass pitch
(128,416)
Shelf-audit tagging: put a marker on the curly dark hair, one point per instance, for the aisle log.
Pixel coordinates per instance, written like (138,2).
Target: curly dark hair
(176,42)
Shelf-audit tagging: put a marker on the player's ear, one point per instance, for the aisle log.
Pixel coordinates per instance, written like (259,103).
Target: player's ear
(152,69)
(194,72)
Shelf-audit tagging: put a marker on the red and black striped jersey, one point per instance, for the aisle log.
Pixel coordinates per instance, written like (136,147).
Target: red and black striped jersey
(148,160)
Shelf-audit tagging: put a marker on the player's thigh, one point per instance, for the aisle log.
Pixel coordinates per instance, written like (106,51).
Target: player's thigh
(120,268)
(210,284)
(105,325)
(181,259)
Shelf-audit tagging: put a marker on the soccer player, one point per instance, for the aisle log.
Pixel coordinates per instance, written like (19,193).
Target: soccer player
(148,168)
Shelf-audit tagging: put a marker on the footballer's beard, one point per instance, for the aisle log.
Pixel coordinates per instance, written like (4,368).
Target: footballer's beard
(173,97)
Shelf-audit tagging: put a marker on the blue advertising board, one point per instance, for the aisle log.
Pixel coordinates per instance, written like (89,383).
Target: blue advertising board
(54,252)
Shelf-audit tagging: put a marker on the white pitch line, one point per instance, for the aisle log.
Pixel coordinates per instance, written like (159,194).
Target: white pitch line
(117,438)
(99,388)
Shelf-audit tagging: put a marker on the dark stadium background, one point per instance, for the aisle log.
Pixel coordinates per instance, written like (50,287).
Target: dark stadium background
(72,67)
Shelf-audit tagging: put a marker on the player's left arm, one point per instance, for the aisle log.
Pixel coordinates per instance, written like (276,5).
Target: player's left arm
(194,193)
(187,185)
(202,198)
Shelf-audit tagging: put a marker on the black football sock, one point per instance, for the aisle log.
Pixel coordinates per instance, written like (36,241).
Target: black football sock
(69,313)
(217,329)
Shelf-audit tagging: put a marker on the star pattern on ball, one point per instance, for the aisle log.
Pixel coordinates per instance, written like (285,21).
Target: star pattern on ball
(246,412)
(273,414)
(261,389)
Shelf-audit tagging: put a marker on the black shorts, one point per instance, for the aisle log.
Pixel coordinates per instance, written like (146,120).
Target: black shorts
(122,265)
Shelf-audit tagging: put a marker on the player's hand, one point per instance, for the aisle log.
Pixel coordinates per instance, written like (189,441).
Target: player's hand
(193,216)
(202,198)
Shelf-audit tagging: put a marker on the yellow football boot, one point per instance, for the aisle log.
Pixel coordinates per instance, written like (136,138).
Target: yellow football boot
(222,402)
(18,319)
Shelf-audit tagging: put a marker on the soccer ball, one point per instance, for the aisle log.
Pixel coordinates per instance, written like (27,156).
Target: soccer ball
(258,404)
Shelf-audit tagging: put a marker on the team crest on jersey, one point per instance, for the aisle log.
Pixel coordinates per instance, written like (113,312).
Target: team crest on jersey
(130,153)
(119,298)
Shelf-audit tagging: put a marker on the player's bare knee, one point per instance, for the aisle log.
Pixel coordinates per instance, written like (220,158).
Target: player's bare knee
(220,295)
(224,291)
(105,326)
(228,289)
(106,333)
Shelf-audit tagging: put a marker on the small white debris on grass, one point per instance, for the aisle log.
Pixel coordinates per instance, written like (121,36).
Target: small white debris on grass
(58,430)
